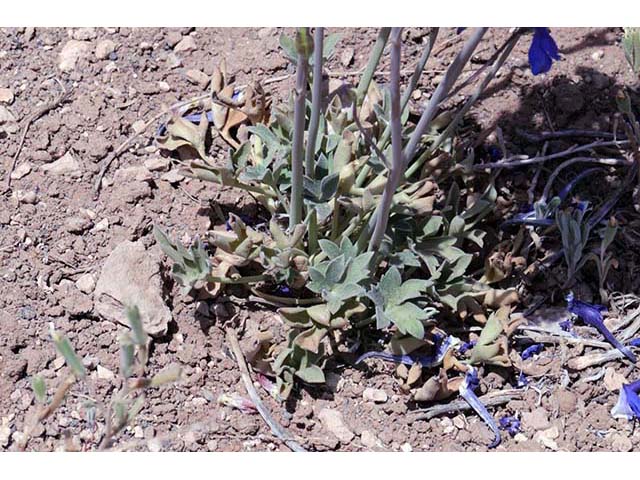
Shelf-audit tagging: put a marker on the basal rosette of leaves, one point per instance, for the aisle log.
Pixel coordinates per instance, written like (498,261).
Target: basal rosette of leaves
(335,279)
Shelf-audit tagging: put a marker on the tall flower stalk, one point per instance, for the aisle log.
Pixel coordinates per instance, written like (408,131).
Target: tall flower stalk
(316,101)
(374,59)
(303,48)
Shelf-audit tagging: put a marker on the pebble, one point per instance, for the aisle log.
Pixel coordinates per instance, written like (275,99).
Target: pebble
(375,395)
(102,225)
(72,51)
(104,48)
(406,447)
(567,401)
(138,126)
(333,421)
(104,373)
(538,419)
(157,164)
(21,171)
(173,61)
(164,86)
(416,95)
(369,439)
(198,78)
(84,33)
(172,38)
(548,438)
(621,443)
(597,55)
(6,96)
(65,165)
(29,197)
(86,283)
(458,422)
(187,44)
(138,432)
(78,224)
(172,177)
(347,56)
(613,380)
(154,445)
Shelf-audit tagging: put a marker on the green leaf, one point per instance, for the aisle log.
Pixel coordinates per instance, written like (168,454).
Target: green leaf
(336,269)
(140,337)
(412,288)
(329,187)
(311,374)
(329,248)
(66,350)
(39,388)
(359,268)
(389,283)
(407,318)
(329,44)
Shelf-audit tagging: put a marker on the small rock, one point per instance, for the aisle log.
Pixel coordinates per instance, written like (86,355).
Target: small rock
(84,33)
(30,197)
(78,224)
(406,447)
(173,61)
(158,164)
(6,96)
(347,56)
(5,434)
(7,121)
(86,283)
(187,44)
(102,225)
(613,380)
(70,53)
(66,165)
(538,419)
(597,55)
(164,86)
(172,177)
(198,78)
(138,432)
(416,94)
(520,437)
(458,422)
(369,440)
(447,425)
(104,373)
(332,420)
(138,126)
(172,38)
(375,395)
(566,401)
(154,445)
(104,48)
(548,437)
(58,363)
(131,276)
(621,443)
(21,171)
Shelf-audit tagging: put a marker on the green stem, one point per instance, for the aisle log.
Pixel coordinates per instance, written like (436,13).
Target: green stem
(413,83)
(316,102)
(374,59)
(397,163)
(239,280)
(297,150)
(313,231)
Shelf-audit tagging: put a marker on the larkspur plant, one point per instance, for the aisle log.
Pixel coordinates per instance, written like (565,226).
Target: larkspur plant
(374,220)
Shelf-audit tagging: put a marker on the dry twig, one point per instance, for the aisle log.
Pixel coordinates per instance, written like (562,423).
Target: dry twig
(276,428)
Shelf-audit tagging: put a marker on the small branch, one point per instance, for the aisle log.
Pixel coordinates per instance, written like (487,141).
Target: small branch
(57,399)
(59,100)
(544,136)
(491,399)
(316,101)
(521,160)
(276,428)
(374,59)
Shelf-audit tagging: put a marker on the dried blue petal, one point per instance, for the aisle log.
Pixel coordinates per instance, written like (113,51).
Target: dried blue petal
(635,342)
(628,405)
(495,153)
(427,361)
(283,290)
(227,225)
(465,346)
(564,193)
(471,382)
(567,325)
(592,315)
(522,381)
(543,51)
(510,424)
(532,350)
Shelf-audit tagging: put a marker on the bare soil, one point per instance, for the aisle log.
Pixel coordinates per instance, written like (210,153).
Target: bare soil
(53,230)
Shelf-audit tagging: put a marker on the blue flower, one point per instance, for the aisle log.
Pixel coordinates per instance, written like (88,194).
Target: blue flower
(442,346)
(567,325)
(532,350)
(635,342)
(592,315)
(510,424)
(543,51)
(462,349)
(470,383)
(628,405)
